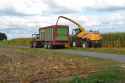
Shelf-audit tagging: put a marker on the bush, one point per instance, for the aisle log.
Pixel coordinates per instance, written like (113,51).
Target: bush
(109,75)
(114,40)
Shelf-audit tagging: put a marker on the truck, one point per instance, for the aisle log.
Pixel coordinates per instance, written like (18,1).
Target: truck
(51,37)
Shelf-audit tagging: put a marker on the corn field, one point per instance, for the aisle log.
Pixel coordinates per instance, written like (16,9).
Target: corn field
(114,40)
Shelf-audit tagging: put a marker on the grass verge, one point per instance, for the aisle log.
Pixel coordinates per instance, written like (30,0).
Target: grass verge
(110,75)
(119,51)
(16,42)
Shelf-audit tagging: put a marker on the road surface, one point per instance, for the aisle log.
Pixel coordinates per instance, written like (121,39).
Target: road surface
(114,57)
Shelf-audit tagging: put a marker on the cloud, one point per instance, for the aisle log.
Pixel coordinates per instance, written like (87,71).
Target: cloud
(108,9)
(21,16)
(28,7)
(55,8)
(9,11)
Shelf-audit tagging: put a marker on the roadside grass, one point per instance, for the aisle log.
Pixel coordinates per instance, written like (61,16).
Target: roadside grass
(108,75)
(29,65)
(119,51)
(16,42)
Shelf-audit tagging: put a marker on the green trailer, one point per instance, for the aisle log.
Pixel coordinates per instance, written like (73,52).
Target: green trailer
(53,36)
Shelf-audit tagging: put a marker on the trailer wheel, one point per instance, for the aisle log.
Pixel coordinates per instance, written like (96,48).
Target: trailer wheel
(50,46)
(45,46)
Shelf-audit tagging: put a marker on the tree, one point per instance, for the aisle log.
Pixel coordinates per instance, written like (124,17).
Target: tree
(3,36)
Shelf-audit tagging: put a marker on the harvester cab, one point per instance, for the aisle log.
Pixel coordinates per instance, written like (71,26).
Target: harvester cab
(76,31)
(35,36)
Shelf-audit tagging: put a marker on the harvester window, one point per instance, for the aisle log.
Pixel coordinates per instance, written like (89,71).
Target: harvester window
(77,31)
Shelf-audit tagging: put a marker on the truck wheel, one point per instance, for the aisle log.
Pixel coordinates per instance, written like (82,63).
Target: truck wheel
(45,46)
(34,45)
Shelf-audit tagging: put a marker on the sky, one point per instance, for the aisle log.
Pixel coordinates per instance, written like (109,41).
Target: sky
(21,18)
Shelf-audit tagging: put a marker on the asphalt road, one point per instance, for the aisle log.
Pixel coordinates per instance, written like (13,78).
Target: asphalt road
(107,56)
(114,57)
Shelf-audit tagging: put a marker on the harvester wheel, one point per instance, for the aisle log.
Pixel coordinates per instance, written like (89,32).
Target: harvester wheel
(87,45)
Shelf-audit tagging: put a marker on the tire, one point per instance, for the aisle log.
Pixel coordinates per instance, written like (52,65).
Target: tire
(74,44)
(88,44)
(50,46)
(34,45)
(45,46)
